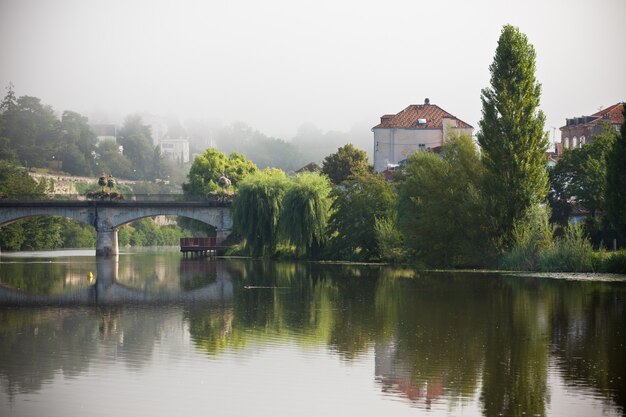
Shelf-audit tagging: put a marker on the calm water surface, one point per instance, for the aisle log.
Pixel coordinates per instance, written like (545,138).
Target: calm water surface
(158,335)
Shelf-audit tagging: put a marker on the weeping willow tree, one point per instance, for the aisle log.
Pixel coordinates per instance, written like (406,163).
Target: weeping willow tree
(306,211)
(257,210)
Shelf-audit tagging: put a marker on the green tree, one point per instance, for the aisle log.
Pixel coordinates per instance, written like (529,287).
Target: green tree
(38,232)
(31,127)
(581,176)
(358,204)
(136,139)
(207,169)
(110,160)
(616,182)
(258,208)
(512,136)
(441,209)
(306,208)
(348,162)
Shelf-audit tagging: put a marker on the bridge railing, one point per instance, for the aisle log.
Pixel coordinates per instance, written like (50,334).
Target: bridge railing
(125,197)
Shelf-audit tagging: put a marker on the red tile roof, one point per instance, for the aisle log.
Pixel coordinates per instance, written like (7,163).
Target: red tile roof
(409,118)
(612,114)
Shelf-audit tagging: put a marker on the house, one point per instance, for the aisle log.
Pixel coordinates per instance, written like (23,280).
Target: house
(175,149)
(105,132)
(580,130)
(419,127)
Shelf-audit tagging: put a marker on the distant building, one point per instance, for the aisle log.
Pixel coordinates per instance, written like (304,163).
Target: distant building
(158,127)
(175,149)
(419,127)
(105,132)
(581,130)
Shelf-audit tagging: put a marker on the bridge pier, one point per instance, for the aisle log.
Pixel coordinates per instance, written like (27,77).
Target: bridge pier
(106,242)
(221,235)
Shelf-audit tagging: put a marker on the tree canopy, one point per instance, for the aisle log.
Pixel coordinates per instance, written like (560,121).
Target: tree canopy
(306,208)
(207,169)
(348,162)
(511,136)
(358,204)
(257,210)
(441,209)
(616,181)
(580,176)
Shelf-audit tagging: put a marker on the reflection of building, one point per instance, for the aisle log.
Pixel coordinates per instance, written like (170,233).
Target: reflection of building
(419,127)
(396,378)
(105,132)
(176,150)
(581,130)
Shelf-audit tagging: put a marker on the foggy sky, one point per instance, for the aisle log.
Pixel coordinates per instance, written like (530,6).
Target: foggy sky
(278,64)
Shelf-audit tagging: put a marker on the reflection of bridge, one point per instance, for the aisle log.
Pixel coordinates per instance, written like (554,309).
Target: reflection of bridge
(108,290)
(108,216)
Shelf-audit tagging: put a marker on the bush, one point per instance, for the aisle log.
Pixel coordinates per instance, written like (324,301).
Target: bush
(572,252)
(532,237)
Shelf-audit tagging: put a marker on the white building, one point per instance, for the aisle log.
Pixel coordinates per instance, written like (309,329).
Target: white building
(105,132)
(175,149)
(419,127)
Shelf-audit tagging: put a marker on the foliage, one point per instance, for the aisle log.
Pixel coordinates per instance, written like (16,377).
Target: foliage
(512,137)
(358,204)
(347,163)
(31,128)
(76,144)
(136,140)
(616,181)
(207,169)
(531,236)
(264,151)
(145,232)
(580,177)
(441,208)
(257,210)
(389,239)
(306,208)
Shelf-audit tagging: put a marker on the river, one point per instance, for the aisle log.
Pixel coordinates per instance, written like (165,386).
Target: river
(151,333)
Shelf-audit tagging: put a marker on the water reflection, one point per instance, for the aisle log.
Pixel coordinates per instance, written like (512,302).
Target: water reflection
(451,340)
(214,285)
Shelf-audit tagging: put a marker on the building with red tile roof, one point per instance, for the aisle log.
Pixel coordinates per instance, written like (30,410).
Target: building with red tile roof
(580,130)
(419,127)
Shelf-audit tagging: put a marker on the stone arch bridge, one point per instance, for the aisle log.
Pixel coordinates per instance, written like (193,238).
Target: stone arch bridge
(107,216)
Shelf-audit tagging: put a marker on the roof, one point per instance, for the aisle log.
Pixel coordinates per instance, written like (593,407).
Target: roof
(310,167)
(612,114)
(409,118)
(104,130)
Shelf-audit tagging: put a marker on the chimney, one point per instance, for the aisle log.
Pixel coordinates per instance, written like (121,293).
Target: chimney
(426,101)
(386,117)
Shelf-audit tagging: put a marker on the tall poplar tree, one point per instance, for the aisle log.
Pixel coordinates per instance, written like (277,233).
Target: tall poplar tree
(512,135)
(616,181)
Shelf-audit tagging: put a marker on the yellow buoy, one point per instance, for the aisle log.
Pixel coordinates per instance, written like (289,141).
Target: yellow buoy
(90,277)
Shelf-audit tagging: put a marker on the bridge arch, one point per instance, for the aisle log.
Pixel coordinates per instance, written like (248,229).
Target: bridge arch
(11,215)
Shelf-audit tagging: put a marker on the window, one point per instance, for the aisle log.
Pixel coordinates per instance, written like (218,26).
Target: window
(422,146)
(574,142)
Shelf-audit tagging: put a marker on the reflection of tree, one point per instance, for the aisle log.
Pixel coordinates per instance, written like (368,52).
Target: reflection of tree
(516,351)
(33,343)
(43,277)
(434,344)
(588,333)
